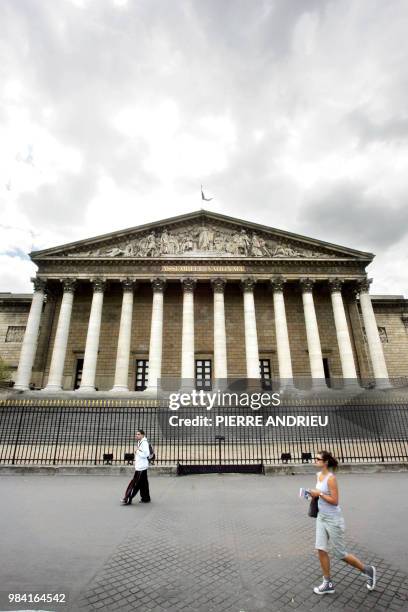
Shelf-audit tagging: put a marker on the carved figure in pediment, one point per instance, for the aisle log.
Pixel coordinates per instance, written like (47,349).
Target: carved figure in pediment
(230,244)
(130,249)
(259,247)
(205,239)
(151,245)
(284,250)
(172,245)
(164,243)
(187,243)
(114,251)
(242,243)
(219,242)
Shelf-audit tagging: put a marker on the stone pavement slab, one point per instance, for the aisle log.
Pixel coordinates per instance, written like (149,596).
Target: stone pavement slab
(206,543)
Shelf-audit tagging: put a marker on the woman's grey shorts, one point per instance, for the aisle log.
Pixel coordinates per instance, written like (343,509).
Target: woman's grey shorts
(330,529)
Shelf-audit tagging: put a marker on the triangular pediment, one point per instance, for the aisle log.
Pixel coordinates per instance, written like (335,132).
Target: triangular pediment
(198,235)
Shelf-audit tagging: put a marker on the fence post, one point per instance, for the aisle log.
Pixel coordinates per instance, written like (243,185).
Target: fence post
(220,439)
(57,438)
(99,412)
(17,437)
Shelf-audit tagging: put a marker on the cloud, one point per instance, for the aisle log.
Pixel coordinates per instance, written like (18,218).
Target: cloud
(15,274)
(350,211)
(286,111)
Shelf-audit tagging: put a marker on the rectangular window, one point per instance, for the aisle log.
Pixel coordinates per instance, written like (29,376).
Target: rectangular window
(15,333)
(203,374)
(265,372)
(142,374)
(78,372)
(326,371)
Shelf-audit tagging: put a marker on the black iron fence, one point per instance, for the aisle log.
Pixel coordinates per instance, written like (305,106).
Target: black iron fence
(103,431)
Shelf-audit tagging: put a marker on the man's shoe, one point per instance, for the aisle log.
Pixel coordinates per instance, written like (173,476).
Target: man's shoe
(371,576)
(325,588)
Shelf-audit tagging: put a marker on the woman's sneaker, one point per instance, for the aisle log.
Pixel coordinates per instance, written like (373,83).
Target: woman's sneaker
(371,576)
(325,588)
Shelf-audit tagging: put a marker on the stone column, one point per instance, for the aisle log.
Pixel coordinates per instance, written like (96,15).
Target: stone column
(187,339)
(251,337)
(29,347)
(125,334)
(373,338)
(220,339)
(156,334)
(312,333)
(92,338)
(61,336)
(282,336)
(343,337)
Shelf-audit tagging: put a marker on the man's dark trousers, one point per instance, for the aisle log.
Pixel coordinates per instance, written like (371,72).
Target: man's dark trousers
(138,483)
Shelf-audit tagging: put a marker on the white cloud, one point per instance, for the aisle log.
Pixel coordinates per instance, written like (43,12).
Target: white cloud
(15,274)
(274,106)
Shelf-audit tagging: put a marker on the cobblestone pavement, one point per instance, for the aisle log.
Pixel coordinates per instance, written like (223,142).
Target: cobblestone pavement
(206,543)
(225,549)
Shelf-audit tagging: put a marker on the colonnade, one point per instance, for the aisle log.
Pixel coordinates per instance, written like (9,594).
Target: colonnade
(188,345)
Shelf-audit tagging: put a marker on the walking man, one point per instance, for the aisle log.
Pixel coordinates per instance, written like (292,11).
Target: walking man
(139,481)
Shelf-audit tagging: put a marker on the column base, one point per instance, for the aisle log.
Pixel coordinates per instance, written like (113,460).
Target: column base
(21,388)
(352,385)
(120,389)
(286,385)
(87,389)
(320,385)
(382,383)
(51,389)
(287,390)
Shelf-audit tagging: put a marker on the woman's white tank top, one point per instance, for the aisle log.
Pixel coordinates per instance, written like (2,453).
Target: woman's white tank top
(323,486)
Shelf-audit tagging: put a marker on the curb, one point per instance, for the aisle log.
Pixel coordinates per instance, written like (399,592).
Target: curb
(83,470)
(171,470)
(344,468)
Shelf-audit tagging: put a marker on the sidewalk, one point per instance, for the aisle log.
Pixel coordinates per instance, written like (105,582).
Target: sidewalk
(206,543)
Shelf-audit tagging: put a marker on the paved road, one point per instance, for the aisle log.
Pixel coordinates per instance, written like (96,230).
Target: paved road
(206,543)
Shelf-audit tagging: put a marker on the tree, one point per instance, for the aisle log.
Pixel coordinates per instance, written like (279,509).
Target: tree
(5,372)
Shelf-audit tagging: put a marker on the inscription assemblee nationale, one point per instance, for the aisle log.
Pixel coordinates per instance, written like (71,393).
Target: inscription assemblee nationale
(203,269)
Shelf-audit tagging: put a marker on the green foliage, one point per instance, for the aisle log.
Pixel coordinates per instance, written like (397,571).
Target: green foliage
(5,372)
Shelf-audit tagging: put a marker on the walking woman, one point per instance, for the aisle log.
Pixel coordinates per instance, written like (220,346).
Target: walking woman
(330,526)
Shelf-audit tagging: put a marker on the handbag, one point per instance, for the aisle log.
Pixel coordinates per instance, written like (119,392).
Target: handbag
(313,507)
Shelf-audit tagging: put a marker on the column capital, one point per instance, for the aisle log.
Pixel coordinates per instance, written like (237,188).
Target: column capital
(277,283)
(335,285)
(39,283)
(306,285)
(363,285)
(98,284)
(158,284)
(68,285)
(248,283)
(189,284)
(128,285)
(218,284)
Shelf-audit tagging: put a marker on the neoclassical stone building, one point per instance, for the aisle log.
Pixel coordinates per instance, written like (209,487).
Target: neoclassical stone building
(203,297)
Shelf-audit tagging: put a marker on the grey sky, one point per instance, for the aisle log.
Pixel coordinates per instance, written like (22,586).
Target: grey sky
(292,114)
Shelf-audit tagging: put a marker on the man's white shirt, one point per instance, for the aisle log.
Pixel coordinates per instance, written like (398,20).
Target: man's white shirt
(142,455)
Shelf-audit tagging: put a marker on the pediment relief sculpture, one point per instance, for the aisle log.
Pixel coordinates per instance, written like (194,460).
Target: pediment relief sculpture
(202,240)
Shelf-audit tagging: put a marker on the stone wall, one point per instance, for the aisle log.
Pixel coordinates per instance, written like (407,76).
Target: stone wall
(395,338)
(13,320)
